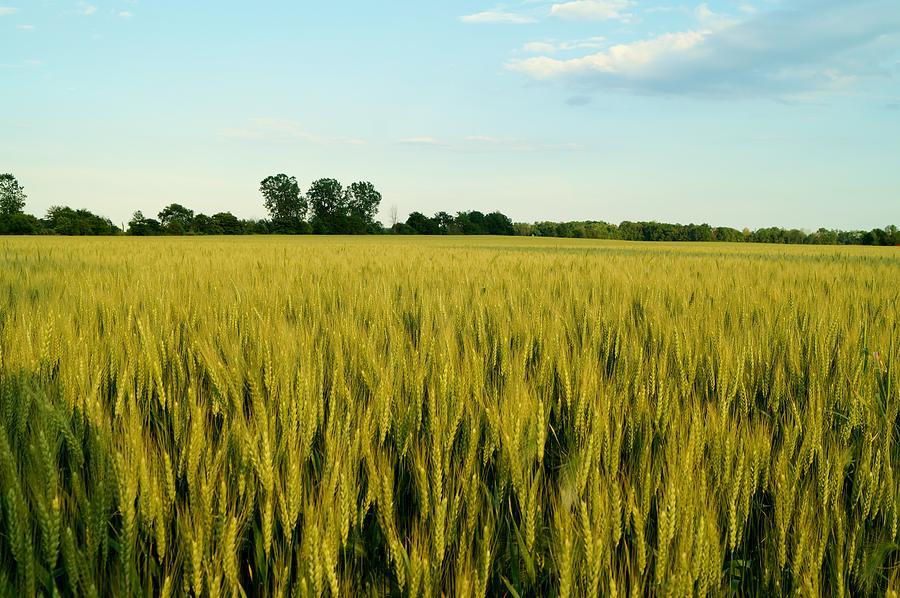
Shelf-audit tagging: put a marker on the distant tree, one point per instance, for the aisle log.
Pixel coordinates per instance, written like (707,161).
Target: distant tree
(728,235)
(601,230)
(328,206)
(422,224)
(496,223)
(228,223)
(176,219)
(475,226)
(793,236)
(362,201)
(284,201)
(12,195)
(891,235)
(19,224)
(263,227)
(393,216)
(63,220)
(523,229)
(630,231)
(444,223)
(401,228)
(823,236)
(546,229)
(139,226)
(204,225)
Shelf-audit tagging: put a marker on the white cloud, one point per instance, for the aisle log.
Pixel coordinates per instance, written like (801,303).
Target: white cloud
(7,10)
(497,16)
(273,129)
(551,47)
(807,47)
(591,10)
(539,48)
(88,9)
(488,143)
(713,20)
(25,27)
(621,58)
(125,14)
(422,140)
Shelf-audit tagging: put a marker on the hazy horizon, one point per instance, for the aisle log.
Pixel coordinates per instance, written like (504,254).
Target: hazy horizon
(744,114)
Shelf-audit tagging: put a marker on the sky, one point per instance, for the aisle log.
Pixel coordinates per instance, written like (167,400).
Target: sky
(746,113)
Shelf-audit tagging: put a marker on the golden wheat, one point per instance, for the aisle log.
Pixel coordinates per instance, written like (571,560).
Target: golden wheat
(445,416)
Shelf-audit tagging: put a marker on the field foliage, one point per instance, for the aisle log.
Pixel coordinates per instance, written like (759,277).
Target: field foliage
(333,416)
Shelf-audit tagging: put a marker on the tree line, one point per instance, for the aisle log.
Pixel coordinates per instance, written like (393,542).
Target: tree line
(660,231)
(328,207)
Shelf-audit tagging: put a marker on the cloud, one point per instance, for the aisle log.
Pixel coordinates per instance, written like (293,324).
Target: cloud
(86,9)
(125,14)
(807,46)
(25,27)
(497,16)
(551,47)
(591,10)
(487,143)
(713,20)
(272,129)
(422,140)
(7,10)
(539,48)
(621,59)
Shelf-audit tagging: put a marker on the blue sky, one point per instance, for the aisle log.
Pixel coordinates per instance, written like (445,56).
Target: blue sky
(740,113)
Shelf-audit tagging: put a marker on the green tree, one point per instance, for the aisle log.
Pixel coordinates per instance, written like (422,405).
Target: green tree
(228,223)
(176,218)
(140,226)
(63,220)
(362,201)
(12,195)
(284,201)
(422,224)
(19,224)
(204,225)
(328,206)
(444,222)
(497,223)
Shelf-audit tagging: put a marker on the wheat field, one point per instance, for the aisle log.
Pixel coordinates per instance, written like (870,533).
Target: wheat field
(447,416)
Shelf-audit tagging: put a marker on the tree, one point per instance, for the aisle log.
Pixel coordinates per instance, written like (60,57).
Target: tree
(228,223)
(63,220)
(176,219)
(393,216)
(328,207)
(204,225)
(19,224)
(362,201)
(140,226)
(12,195)
(444,222)
(497,223)
(284,201)
(422,224)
